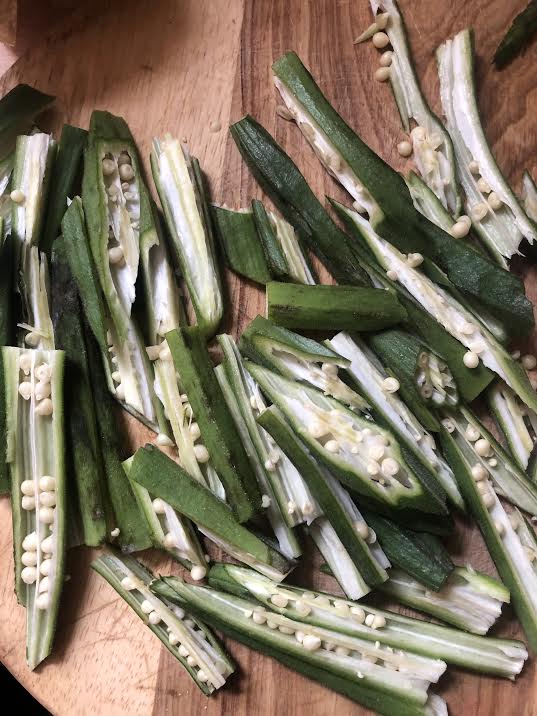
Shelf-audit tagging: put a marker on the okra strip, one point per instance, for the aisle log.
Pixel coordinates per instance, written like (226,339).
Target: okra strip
(373,382)
(332,307)
(7,333)
(481,344)
(469,600)
(529,196)
(18,109)
(496,214)
(162,477)
(520,32)
(191,642)
(222,442)
(489,459)
(178,180)
(364,456)
(35,453)
(511,544)
(86,487)
(499,657)
(281,179)
(381,192)
(303,646)
(431,144)
(241,245)
(64,182)
(354,534)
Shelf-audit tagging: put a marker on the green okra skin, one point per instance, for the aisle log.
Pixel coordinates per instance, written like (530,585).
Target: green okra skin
(319,484)
(162,477)
(499,657)
(7,332)
(122,509)
(274,256)
(332,307)
(384,690)
(86,487)
(281,179)
(18,108)
(241,245)
(519,34)
(218,432)
(419,554)
(64,182)
(382,192)
(35,454)
(343,441)
(131,581)
(505,536)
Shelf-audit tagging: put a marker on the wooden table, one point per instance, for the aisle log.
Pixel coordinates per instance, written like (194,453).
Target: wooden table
(178,66)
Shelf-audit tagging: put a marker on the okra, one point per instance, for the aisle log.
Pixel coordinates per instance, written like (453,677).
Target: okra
(281,179)
(520,32)
(499,657)
(529,196)
(285,254)
(86,487)
(492,206)
(241,245)
(364,456)
(64,182)
(6,337)
(222,442)
(382,193)
(469,600)
(191,642)
(332,307)
(241,397)
(370,674)
(334,501)
(179,183)
(517,423)
(34,287)
(163,478)
(35,454)
(481,345)
(489,459)
(432,149)
(508,537)
(300,358)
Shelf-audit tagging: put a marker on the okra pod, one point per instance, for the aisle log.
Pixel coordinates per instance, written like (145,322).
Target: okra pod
(520,32)
(529,196)
(163,478)
(332,307)
(192,643)
(7,332)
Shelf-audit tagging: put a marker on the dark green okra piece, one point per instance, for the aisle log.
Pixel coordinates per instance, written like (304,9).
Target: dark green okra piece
(520,32)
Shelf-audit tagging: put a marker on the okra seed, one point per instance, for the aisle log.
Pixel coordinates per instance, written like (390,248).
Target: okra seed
(418,134)
(342,609)
(488,500)
(459,229)
(376,452)
(371,537)
(265,501)
(29,575)
(392,275)
(46,566)
(153,617)
(291,507)
(378,622)
(479,472)
(42,601)
(191,661)
(29,559)
(274,455)
(47,499)
(45,407)
(283,112)
(448,424)
(311,642)
(46,515)
(152,352)
(299,636)
(109,167)
(381,40)
(43,585)
(483,447)
(404,148)
(358,614)
(25,363)
(43,373)
(286,630)
(42,390)
(362,529)
(180,613)
(493,462)
(369,620)
(342,651)
(47,545)
(188,410)
(280,600)
(302,608)
(17,195)
(32,339)
(259,616)
(198,572)
(125,186)
(471,433)
(390,385)
(116,255)
(26,390)
(28,502)
(386,58)
(332,446)
(479,211)
(126,172)
(483,186)
(123,159)
(159,506)
(389,466)
(128,584)
(194,431)
(330,369)
(201,453)
(146,606)
(29,543)
(183,651)
(272,624)
(373,468)
(316,429)
(529,362)
(414,260)
(494,201)
(468,328)
(173,639)
(473,167)
(116,376)
(470,359)
(120,392)
(169,541)
(269,465)
(28,488)
(382,74)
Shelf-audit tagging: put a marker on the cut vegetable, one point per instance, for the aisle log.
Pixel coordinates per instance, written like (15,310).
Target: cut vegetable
(522,29)
(178,180)
(332,307)
(500,657)
(492,206)
(529,196)
(6,337)
(35,453)
(163,478)
(193,645)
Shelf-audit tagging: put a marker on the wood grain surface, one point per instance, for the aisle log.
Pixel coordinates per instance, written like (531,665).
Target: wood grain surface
(178,66)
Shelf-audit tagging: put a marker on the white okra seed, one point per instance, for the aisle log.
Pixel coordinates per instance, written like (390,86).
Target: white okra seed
(46,515)
(32,339)
(259,616)
(28,488)
(483,186)
(29,559)
(109,166)
(43,373)
(459,229)
(46,566)
(198,572)
(194,431)
(159,506)
(163,440)
(183,651)
(382,74)
(370,618)
(43,601)
(470,359)
(488,500)
(494,201)
(529,361)
(18,196)
(381,40)
(120,392)
(386,58)
(358,614)
(404,148)
(116,255)
(202,676)
(30,542)
(279,600)
(116,376)
(173,639)
(26,390)
(47,545)
(28,502)
(45,407)
(153,618)
(146,606)
(390,385)
(128,584)
(201,453)
(483,448)
(126,173)
(47,499)
(191,661)
(332,446)
(311,642)
(124,158)
(44,585)
(47,483)
(479,472)
(29,575)
(25,363)
(362,529)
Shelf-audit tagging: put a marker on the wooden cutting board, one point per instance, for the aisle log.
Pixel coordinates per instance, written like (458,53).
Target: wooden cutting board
(180,66)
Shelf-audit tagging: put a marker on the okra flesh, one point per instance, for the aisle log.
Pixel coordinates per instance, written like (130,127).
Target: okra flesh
(174,627)
(192,242)
(517,422)
(501,657)
(529,196)
(502,227)
(35,288)
(353,443)
(36,460)
(298,266)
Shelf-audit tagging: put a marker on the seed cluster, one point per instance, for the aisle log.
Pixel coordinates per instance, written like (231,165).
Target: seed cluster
(122,192)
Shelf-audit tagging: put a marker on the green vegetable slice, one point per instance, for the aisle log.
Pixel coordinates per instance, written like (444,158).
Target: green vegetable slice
(520,32)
